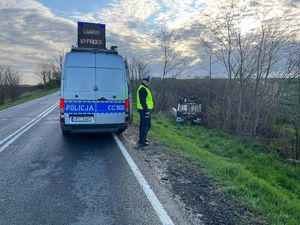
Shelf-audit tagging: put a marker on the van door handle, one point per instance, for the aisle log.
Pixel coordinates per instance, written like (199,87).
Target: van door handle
(95,88)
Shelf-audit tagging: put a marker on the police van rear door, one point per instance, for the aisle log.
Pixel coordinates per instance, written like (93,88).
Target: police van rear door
(79,85)
(110,84)
(110,96)
(111,89)
(80,77)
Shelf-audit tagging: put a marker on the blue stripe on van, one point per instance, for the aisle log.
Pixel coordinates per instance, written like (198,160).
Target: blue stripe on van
(110,107)
(88,107)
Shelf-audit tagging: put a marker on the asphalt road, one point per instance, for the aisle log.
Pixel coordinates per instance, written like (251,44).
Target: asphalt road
(46,178)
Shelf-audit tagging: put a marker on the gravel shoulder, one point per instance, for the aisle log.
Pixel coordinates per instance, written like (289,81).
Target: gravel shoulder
(195,194)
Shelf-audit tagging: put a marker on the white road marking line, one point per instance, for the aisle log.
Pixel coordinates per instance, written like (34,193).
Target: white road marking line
(14,136)
(157,206)
(11,135)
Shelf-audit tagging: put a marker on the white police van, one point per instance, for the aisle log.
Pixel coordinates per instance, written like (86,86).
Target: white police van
(95,93)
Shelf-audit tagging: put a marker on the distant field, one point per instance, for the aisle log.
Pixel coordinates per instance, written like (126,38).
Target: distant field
(28,96)
(263,182)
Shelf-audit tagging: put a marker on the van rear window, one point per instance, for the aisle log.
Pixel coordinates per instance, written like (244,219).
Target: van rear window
(109,79)
(80,79)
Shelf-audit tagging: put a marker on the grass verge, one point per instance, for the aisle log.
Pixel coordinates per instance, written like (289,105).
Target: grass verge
(264,183)
(29,96)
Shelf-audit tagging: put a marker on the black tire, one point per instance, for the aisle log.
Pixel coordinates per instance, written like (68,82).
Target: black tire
(65,132)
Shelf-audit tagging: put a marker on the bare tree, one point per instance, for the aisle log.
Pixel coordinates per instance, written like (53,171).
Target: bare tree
(50,71)
(297,124)
(10,81)
(2,84)
(296,111)
(59,62)
(60,58)
(13,80)
(174,64)
(252,59)
(138,68)
(43,72)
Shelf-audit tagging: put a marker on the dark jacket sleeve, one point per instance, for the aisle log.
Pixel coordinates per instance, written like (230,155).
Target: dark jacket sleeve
(143,95)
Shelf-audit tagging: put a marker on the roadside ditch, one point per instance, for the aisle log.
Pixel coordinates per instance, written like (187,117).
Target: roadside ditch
(200,194)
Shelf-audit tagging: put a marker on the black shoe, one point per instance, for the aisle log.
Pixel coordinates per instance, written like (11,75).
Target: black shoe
(140,145)
(146,142)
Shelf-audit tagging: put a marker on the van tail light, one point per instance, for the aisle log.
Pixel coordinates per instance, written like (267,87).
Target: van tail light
(62,121)
(61,105)
(127,105)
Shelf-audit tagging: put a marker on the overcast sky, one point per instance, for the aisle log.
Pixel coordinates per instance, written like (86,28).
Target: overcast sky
(33,31)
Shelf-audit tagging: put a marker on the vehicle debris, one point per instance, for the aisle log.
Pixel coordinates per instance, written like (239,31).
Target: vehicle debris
(188,110)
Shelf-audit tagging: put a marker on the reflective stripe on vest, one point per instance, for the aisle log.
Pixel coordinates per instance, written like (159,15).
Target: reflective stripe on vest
(149,100)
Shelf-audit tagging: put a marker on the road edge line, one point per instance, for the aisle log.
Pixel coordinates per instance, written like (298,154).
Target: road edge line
(12,140)
(24,126)
(157,206)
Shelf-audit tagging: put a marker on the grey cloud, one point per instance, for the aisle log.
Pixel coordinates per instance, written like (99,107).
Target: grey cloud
(133,24)
(30,35)
(294,3)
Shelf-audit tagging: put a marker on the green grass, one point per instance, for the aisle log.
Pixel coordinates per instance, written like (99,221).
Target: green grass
(28,96)
(264,183)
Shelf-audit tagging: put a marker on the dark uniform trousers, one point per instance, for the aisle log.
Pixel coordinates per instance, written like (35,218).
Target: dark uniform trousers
(145,125)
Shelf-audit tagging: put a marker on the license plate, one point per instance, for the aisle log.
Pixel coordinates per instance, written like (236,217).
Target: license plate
(82,118)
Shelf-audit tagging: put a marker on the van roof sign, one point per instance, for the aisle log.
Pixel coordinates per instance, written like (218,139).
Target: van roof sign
(91,35)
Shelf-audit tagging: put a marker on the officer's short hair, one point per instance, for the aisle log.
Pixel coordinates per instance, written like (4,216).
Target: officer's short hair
(147,78)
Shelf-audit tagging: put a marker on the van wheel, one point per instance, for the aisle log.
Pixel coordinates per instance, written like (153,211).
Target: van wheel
(65,132)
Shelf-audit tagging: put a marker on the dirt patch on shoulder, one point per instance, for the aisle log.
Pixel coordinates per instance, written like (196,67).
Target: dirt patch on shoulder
(201,196)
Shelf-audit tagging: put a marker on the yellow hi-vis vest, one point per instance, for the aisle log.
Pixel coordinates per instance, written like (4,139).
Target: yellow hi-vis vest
(149,100)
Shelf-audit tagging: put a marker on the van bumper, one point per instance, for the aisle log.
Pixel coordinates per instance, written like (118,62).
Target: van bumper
(90,128)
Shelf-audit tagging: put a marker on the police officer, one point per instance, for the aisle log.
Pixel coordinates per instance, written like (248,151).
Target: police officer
(145,105)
